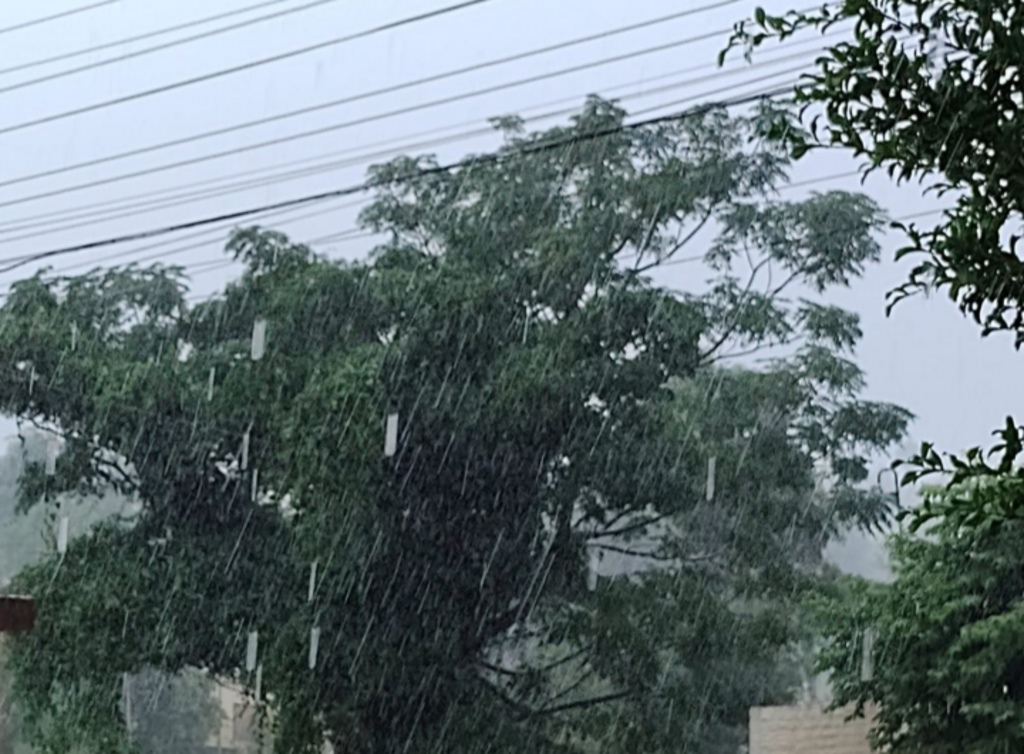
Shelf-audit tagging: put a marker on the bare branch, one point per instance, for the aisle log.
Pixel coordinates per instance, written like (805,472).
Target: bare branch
(663,557)
(42,427)
(785,283)
(115,466)
(617,518)
(525,711)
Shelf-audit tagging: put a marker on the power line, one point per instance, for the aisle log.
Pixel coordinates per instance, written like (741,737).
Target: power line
(926,213)
(375,93)
(212,234)
(160,48)
(215,231)
(357,232)
(209,234)
(687,260)
(351,235)
(86,220)
(491,158)
(409,20)
(138,37)
(658,107)
(214,265)
(189,193)
(349,124)
(56,16)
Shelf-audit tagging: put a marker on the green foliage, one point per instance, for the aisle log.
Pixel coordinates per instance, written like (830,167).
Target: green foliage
(948,675)
(980,494)
(553,404)
(930,90)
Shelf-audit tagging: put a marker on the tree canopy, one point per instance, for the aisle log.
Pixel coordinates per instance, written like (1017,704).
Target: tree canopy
(377,492)
(930,91)
(947,641)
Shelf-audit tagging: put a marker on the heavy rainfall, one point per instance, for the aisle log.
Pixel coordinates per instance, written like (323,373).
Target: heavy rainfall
(492,376)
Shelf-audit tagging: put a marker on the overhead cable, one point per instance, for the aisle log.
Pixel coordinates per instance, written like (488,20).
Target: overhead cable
(373,93)
(469,163)
(160,48)
(181,84)
(327,162)
(209,235)
(137,38)
(355,232)
(332,128)
(48,228)
(57,16)
(358,232)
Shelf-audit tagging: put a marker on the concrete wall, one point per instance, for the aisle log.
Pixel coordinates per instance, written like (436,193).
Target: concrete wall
(807,730)
(237,732)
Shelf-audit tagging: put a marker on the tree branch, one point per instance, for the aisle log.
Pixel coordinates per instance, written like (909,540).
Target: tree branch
(704,558)
(505,699)
(563,660)
(526,712)
(634,553)
(125,476)
(615,519)
(782,286)
(497,668)
(736,320)
(568,689)
(581,703)
(675,247)
(628,529)
(755,349)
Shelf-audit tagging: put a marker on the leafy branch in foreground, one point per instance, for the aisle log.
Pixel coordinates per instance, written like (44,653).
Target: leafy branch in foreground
(981,492)
(948,639)
(930,90)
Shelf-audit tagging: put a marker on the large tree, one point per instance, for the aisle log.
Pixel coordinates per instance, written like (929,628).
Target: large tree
(551,403)
(948,640)
(930,91)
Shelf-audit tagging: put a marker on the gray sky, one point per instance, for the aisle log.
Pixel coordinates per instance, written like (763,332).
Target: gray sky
(926,356)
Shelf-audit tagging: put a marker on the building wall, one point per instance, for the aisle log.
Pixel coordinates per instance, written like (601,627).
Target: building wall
(807,730)
(237,732)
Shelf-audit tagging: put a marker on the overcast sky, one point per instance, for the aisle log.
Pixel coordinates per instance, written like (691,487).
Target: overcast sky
(926,356)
